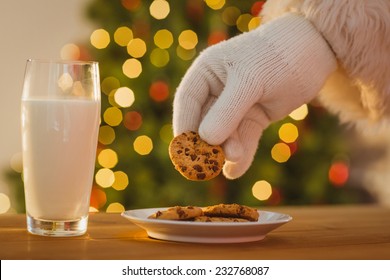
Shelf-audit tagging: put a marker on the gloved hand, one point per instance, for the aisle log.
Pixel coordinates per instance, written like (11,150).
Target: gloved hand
(234,89)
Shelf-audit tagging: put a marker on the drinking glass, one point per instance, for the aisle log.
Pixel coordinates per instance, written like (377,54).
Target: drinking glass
(60,109)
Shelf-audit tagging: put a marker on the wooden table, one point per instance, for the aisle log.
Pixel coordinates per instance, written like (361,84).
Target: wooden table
(316,232)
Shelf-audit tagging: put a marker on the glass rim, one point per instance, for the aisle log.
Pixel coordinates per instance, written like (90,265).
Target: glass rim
(62,61)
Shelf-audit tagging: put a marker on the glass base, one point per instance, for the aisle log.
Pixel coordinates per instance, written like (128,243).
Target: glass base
(57,228)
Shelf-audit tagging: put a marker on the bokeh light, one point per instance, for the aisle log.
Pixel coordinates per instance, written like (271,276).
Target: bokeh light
(121,181)
(70,52)
(185,54)
(5,203)
(338,173)
(132,120)
(131,5)
(105,177)
(108,158)
(262,190)
(159,91)
(280,152)
(159,57)
(254,23)
(100,38)
(123,35)
(256,8)
(215,4)
(216,37)
(243,22)
(109,84)
(124,97)
(300,113)
(230,15)
(136,48)
(106,135)
(98,198)
(163,39)
(115,207)
(113,116)
(143,145)
(188,39)
(132,68)
(16,162)
(159,9)
(288,133)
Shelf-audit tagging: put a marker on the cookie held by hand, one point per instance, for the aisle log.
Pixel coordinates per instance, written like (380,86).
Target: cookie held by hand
(194,158)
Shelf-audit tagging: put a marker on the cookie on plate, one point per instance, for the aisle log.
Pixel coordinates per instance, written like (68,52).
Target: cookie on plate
(232,210)
(178,213)
(194,158)
(207,219)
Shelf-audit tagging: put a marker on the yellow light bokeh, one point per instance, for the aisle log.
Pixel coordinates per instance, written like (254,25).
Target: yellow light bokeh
(124,97)
(300,113)
(115,207)
(243,22)
(185,54)
(70,52)
(105,177)
(113,116)
(159,9)
(132,68)
(288,133)
(262,190)
(108,158)
(123,35)
(121,181)
(5,203)
(106,135)
(136,48)
(16,162)
(188,39)
(281,152)
(230,15)
(100,38)
(159,57)
(109,84)
(163,39)
(254,23)
(215,4)
(143,145)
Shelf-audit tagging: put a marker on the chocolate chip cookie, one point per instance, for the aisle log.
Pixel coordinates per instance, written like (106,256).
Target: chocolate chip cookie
(194,158)
(207,219)
(178,213)
(232,210)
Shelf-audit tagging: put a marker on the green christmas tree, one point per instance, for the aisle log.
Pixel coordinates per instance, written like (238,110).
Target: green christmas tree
(144,49)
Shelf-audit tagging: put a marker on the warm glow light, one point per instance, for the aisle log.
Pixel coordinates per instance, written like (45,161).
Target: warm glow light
(143,145)
(105,177)
(216,37)
(113,116)
(243,22)
(106,135)
(159,91)
(131,5)
(163,39)
(16,162)
(132,120)
(123,35)
(188,39)
(254,23)
(215,4)
(70,52)
(262,190)
(136,48)
(98,198)
(108,158)
(159,9)
(288,133)
(280,152)
(159,57)
(100,38)
(338,173)
(300,113)
(109,84)
(185,54)
(5,203)
(121,181)
(132,68)
(257,7)
(230,15)
(115,207)
(124,97)
(65,82)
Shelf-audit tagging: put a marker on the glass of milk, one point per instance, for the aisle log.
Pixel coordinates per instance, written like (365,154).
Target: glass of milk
(60,122)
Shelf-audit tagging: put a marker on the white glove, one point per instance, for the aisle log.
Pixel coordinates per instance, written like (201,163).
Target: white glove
(234,89)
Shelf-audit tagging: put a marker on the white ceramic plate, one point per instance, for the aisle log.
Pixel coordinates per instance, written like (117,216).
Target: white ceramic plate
(201,232)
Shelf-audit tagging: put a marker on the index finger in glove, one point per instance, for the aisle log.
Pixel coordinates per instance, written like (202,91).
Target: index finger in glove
(194,95)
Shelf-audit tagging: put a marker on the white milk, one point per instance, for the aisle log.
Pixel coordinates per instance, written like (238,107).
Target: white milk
(59,150)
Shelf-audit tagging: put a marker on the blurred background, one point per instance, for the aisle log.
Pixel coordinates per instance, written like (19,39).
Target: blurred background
(144,48)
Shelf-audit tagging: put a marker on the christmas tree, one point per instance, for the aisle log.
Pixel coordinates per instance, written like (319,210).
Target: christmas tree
(144,49)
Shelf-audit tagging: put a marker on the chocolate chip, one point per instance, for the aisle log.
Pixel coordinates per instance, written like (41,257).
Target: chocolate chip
(215,151)
(198,168)
(193,157)
(201,176)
